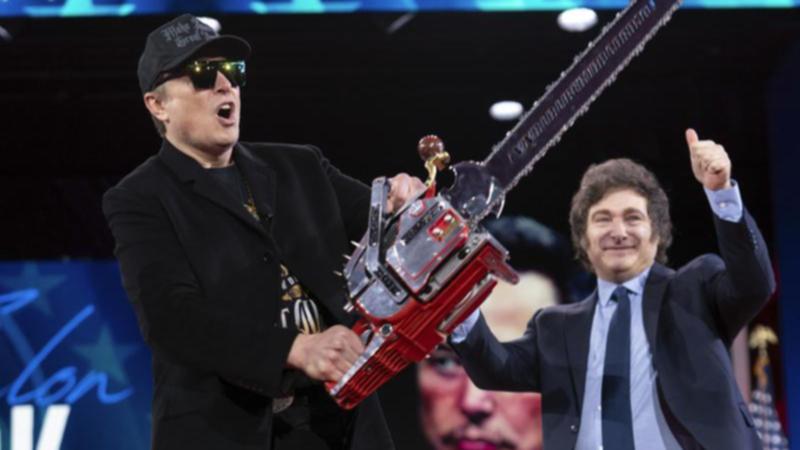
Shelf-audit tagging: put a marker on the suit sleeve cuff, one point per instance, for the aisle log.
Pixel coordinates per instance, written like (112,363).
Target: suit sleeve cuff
(460,332)
(726,203)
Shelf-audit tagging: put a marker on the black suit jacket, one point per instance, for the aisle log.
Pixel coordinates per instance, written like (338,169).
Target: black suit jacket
(690,317)
(203,277)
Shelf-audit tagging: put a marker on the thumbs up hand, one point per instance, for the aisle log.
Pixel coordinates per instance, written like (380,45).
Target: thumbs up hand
(710,162)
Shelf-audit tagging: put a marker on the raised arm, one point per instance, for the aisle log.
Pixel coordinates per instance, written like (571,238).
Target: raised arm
(742,282)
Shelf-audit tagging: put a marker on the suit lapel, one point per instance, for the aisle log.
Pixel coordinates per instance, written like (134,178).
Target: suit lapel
(262,182)
(189,171)
(653,298)
(577,330)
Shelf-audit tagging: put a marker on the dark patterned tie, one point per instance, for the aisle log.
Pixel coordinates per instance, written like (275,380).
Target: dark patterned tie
(617,423)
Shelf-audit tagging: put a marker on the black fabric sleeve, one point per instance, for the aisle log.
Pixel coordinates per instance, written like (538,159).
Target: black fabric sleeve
(508,366)
(742,282)
(352,195)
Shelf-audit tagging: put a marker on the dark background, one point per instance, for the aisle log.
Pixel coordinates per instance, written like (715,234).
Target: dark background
(73,122)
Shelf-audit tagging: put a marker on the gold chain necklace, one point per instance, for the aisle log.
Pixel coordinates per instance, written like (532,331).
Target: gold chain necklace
(250,203)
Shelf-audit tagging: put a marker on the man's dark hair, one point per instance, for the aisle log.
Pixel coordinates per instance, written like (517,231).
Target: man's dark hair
(613,175)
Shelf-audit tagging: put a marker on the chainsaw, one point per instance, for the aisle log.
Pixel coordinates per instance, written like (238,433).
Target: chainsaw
(419,272)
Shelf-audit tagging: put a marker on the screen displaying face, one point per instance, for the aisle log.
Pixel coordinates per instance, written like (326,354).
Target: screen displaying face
(454,413)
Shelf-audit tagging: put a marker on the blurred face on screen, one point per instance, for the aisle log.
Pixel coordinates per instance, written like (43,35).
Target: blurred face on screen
(455,414)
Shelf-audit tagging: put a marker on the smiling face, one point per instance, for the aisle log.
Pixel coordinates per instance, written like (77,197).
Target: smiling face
(198,121)
(619,240)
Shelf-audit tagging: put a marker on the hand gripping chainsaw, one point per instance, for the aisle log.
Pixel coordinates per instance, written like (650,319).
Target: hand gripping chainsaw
(418,273)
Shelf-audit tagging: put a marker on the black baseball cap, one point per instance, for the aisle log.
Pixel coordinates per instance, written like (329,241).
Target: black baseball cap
(180,39)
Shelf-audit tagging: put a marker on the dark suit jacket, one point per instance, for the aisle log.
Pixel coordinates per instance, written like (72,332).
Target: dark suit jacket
(203,277)
(690,316)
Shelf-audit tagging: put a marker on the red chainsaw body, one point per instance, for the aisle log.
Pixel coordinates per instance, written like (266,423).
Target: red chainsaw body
(434,274)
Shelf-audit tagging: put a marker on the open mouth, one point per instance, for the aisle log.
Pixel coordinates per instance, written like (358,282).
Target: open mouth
(225,111)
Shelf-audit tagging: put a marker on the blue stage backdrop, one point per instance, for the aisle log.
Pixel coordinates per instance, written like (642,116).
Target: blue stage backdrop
(784,113)
(67,8)
(75,373)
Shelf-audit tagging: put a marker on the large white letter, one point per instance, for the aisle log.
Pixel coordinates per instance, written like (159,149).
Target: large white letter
(22,427)
(55,421)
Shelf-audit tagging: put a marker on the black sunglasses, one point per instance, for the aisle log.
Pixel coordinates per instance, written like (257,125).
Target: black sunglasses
(204,73)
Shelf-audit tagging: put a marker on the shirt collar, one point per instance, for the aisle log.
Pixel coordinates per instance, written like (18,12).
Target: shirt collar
(636,285)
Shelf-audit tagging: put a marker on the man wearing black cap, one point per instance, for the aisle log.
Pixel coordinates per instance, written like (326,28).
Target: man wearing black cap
(227,251)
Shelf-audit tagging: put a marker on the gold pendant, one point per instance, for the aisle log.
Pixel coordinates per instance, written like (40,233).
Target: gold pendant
(251,208)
